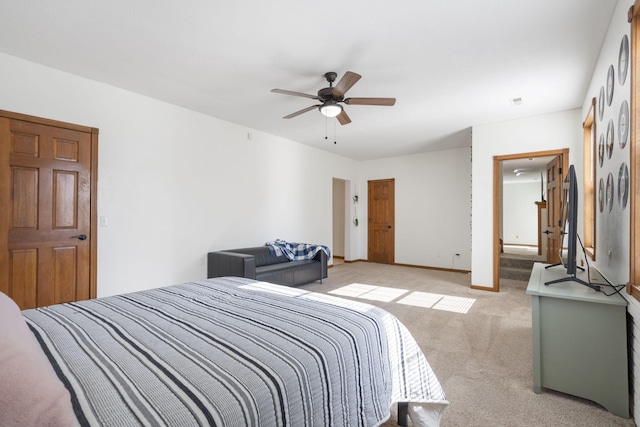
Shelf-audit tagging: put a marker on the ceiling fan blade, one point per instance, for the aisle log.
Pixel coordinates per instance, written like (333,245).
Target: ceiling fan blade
(297,113)
(370,101)
(290,92)
(345,83)
(343,118)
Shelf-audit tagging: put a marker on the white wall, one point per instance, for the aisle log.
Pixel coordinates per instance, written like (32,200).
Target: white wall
(520,213)
(432,202)
(538,133)
(612,228)
(176,184)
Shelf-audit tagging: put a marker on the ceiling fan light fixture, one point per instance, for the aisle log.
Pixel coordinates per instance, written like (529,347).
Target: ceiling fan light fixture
(330,98)
(330,109)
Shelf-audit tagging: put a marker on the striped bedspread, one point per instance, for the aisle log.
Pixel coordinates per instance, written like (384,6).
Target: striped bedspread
(232,352)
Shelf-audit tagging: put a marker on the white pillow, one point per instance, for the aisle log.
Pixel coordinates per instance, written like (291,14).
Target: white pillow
(30,392)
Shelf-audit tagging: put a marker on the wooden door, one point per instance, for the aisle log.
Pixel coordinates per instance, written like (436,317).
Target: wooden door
(47,221)
(554,209)
(542,227)
(381,222)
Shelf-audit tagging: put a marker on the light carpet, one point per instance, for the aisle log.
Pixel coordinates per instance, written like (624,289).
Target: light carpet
(483,358)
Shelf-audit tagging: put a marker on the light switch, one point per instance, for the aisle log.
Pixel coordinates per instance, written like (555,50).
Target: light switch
(104,221)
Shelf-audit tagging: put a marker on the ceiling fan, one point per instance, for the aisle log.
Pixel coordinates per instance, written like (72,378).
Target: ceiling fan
(331,97)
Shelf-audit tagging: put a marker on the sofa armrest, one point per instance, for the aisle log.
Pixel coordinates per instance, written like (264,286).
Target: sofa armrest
(322,257)
(231,264)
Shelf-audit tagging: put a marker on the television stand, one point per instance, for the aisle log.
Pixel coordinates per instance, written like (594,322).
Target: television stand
(573,278)
(559,263)
(579,341)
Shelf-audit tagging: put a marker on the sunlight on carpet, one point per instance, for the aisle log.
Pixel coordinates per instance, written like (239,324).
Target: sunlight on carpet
(370,292)
(417,299)
(454,304)
(438,302)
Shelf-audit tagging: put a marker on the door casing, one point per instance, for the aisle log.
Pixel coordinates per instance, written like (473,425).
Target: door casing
(497,188)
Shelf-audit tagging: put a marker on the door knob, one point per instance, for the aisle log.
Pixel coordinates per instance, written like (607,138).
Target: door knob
(80,237)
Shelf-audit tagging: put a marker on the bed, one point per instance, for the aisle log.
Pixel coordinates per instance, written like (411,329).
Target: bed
(226,352)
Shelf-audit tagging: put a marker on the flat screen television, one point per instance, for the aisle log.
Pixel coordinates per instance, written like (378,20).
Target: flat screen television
(569,222)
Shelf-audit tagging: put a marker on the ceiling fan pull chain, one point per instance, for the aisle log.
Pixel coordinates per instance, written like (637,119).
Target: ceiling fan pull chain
(326,128)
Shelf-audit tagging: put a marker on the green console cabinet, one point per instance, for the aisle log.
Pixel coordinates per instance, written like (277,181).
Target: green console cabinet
(579,340)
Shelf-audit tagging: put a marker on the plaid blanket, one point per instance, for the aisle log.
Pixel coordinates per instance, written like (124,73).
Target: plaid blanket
(296,251)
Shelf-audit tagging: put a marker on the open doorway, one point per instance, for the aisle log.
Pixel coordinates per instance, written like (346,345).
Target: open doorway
(340,216)
(521,215)
(523,218)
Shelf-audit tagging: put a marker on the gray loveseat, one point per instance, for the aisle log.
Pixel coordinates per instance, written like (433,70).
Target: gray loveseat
(261,263)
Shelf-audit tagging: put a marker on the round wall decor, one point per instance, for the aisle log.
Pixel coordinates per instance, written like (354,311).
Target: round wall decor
(601,150)
(623,60)
(601,102)
(609,197)
(623,185)
(611,82)
(610,132)
(623,124)
(601,195)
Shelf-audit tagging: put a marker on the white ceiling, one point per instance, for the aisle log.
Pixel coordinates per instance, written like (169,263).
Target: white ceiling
(451,64)
(530,169)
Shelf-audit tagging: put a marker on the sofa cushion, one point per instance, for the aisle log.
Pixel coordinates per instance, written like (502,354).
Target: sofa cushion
(290,274)
(281,266)
(263,255)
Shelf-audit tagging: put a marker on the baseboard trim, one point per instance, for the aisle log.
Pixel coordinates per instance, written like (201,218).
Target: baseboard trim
(350,261)
(426,267)
(484,288)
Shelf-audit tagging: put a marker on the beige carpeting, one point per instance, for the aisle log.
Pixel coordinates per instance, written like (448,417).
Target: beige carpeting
(482,358)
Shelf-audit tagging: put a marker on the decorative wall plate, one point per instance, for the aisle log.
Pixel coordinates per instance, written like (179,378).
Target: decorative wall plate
(623,185)
(623,124)
(601,103)
(611,82)
(609,198)
(601,195)
(623,60)
(601,150)
(610,132)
